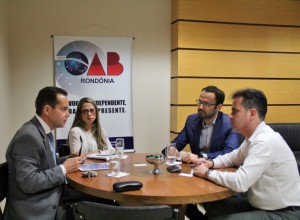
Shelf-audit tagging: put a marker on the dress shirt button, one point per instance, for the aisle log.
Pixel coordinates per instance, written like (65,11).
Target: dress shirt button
(54,207)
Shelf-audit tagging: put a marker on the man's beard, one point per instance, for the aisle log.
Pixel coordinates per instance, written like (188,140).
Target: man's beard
(207,116)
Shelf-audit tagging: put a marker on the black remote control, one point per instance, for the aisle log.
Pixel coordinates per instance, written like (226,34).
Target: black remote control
(174,168)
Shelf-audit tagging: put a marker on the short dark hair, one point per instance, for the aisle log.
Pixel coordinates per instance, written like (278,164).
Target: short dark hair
(220,95)
(253,98)
(47,96)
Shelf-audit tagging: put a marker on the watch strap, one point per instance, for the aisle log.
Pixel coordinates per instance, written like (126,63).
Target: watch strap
(208,172)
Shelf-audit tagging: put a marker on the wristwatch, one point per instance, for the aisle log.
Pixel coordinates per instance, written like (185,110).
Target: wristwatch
(200,155)
(208,172)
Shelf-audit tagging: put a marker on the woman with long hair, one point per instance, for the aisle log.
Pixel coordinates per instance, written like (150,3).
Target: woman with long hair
(86,130)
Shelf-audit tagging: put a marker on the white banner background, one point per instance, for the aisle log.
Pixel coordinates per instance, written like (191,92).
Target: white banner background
(100,68)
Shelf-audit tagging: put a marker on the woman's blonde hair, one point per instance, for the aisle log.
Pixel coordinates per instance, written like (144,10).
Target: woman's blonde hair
(96,129)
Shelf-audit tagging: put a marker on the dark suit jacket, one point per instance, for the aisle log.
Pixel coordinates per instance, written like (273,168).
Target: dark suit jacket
(34,189)
(223,139)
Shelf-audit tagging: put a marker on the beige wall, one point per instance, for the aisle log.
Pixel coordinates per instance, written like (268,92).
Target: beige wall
(5,92)
(34,21)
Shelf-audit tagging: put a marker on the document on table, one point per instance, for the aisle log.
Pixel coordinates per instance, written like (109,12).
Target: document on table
(93,166)
(103,155)
(99,156)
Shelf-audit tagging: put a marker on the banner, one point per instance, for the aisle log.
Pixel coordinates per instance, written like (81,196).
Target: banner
(100,68)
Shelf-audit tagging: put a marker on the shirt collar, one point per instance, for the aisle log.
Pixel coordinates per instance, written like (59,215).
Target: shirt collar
(257,130)
(44,125)
(212,124)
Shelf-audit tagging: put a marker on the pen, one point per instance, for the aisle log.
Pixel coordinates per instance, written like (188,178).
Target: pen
(79,154)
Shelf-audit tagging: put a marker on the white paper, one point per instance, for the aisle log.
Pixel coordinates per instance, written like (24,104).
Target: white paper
(140,165)
(176,162)
(93,166)
(185,174)
(98,156)
(121,174)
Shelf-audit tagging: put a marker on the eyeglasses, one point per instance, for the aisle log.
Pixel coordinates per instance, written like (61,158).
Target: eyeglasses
(87,111)
(205,104)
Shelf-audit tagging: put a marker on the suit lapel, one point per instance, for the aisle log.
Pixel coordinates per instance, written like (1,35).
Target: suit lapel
(198,129)
(216,132)
(46,143)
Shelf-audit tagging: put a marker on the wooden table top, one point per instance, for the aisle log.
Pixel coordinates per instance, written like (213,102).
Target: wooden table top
(165,188)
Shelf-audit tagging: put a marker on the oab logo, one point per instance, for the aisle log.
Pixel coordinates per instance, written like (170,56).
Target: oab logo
(81,62)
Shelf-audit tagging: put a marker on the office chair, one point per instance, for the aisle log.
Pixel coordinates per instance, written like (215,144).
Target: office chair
(3,184)
(85,210)
(63,150)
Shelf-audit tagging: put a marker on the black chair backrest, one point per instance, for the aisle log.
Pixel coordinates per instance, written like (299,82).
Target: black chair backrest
(3,184)
(63,150)
(3,180)
(290,133)
(94,211)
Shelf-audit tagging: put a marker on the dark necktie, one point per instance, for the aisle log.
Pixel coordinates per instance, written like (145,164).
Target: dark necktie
(51,139)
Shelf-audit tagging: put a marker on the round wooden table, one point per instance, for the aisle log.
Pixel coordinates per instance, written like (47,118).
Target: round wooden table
(166,188)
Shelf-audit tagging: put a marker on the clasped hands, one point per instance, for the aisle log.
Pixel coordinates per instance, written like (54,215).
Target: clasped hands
(200,165)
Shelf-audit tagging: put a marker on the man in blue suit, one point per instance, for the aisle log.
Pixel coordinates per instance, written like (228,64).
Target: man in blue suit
(209,132)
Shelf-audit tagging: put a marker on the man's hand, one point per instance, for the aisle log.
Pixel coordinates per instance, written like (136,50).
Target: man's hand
(200,171)
(72,164)
(83,157)
(208,163)
(173,151)
(190,158)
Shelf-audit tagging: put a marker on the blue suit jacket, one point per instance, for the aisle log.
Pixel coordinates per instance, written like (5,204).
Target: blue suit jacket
(223,140)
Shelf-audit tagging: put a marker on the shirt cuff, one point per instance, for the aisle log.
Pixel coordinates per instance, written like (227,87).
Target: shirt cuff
(63,169)
(205,156)
(212,175)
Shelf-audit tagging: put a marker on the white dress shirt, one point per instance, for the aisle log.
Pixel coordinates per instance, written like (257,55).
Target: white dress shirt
(269,170)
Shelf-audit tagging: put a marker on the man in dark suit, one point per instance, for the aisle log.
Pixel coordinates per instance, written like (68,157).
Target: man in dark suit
(35,176)
(208,132)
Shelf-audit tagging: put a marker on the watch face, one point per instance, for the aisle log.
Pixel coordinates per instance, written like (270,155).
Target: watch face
(208,172)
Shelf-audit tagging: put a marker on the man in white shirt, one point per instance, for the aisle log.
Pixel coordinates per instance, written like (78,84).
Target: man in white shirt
(267,167)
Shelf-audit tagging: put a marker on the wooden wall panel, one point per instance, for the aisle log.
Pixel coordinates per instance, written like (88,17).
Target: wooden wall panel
(253,11)
(236,37)
(235,44)
(283,92)
(279,114)
(235,64)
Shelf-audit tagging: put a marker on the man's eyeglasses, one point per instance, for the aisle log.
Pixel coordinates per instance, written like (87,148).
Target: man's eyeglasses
(205,104)
(87,111)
